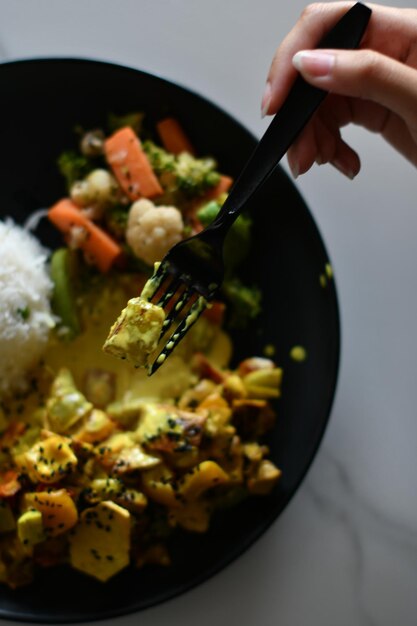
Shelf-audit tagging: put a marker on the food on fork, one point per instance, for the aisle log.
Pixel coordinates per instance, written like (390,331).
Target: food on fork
(135,334)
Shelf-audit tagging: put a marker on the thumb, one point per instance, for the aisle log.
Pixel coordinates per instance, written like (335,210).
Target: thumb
(362,74)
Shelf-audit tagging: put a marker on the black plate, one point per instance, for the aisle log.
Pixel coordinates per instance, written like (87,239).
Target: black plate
(41,102)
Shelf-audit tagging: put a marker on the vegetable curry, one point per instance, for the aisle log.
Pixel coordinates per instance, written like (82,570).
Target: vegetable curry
(99,465)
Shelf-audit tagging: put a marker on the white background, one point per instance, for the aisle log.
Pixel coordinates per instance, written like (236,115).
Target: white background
(345,550)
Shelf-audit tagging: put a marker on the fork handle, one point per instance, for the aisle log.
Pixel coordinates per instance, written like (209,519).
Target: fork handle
(300,104)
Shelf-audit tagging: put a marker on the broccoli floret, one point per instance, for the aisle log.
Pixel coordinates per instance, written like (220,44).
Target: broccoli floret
(134,120)
(161,161)
(182,172)
(74,166)
(238,241)
(195,176)
(244,302)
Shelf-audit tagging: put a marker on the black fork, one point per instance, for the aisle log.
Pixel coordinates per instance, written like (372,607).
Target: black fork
(191,273)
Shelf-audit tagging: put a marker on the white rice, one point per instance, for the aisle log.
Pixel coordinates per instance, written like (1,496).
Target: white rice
(25,313)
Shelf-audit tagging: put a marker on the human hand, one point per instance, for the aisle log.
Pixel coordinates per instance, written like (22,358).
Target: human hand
(374,86)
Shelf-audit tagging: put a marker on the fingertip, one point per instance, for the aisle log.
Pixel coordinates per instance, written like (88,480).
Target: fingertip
(314,63)
(345,168)
(295,170)
(302,153)
(347,161)
(266,99)
(297,60)
(293,163)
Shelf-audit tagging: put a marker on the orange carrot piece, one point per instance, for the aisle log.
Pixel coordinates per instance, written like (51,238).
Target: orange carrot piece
(130,165)
(9,484)
(173,136)
(101,248)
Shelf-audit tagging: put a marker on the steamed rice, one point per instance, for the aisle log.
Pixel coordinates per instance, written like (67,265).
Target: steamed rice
(25,313)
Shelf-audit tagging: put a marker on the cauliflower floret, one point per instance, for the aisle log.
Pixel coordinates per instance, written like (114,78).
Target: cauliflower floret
(98,190)
(153,230)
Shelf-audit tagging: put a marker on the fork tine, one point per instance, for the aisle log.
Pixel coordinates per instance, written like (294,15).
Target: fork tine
(169,292)
(154,282)
(194,313)
(176,310)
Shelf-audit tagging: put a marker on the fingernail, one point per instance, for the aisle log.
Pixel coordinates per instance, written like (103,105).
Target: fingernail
(343,169)
(294,169)
(314,62)
(266,99)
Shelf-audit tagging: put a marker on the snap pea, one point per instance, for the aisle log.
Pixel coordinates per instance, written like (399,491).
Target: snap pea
(63,274)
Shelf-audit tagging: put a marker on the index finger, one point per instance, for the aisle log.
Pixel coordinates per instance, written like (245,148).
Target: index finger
(314,22)
(389,32)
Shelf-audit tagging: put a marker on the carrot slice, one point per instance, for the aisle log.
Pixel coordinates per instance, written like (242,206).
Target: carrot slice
(130,165)
(9,484)
(173,136)
(102,249)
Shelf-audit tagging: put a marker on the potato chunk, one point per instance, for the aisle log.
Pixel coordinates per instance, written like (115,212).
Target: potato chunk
(135,333)
(58,509)
(157,483)
(101,542)
(112,489)
(200,478)
(48,461)
(65,405)
(30,529)
(266,477)
(97,426)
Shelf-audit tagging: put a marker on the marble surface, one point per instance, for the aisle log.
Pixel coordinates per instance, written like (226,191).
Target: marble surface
(345,550)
